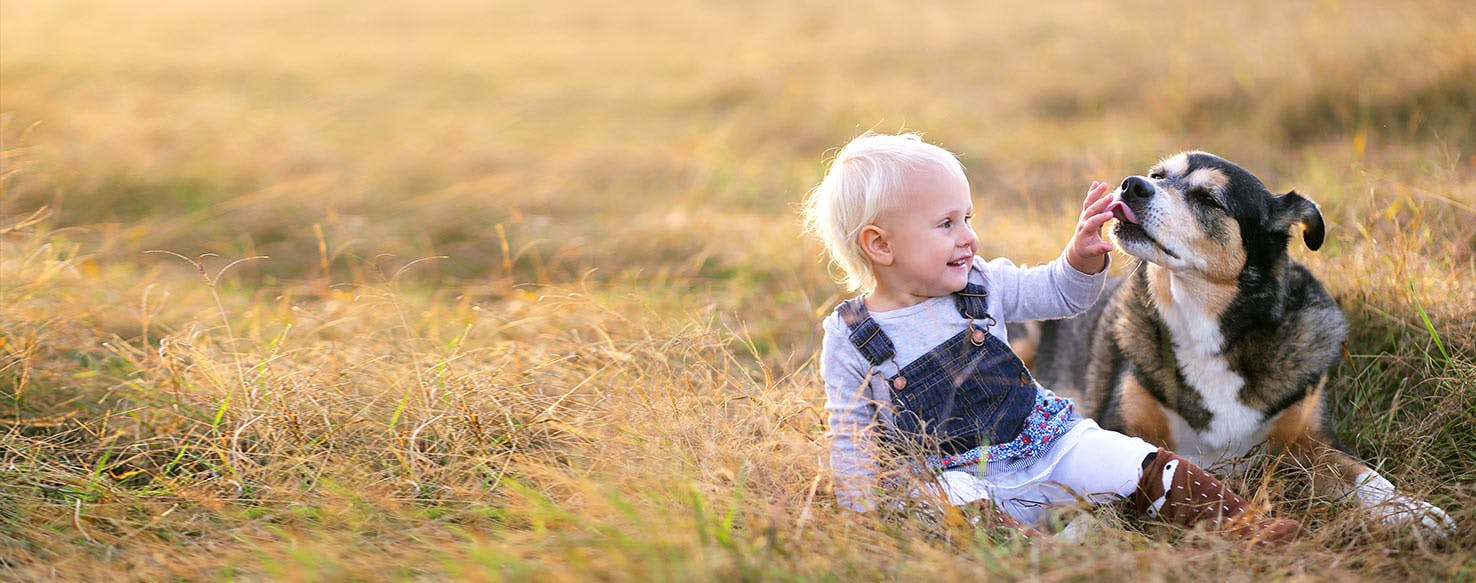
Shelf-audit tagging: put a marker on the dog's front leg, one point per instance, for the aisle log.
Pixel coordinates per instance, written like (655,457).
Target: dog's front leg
(1302,432)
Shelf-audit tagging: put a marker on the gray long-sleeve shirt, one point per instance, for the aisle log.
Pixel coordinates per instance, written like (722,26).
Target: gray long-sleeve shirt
(855,405)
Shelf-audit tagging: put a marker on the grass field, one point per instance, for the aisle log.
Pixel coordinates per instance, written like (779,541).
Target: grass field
(333,290)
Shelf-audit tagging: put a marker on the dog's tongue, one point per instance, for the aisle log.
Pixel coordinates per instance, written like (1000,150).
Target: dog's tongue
(1122,212)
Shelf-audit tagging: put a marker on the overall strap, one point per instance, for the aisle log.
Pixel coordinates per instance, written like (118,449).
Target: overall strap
(866,335)
(973,302)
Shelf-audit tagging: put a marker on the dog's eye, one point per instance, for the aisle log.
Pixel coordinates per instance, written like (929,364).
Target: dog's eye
(1204,196)
(1156,175)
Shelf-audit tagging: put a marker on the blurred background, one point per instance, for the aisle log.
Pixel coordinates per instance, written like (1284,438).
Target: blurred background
(557,142)
(641,137)
(645,162)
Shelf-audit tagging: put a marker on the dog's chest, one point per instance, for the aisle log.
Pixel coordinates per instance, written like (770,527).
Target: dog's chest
(1199,351)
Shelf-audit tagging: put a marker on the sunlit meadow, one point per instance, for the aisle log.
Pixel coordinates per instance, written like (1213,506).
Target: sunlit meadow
(337,290)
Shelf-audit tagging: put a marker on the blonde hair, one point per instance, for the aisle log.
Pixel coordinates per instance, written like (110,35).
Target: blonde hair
(865,179)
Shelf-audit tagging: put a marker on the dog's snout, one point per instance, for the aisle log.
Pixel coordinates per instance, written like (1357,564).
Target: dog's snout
(1136,187)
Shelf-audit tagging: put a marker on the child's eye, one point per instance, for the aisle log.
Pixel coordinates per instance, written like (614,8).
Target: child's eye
(946,223)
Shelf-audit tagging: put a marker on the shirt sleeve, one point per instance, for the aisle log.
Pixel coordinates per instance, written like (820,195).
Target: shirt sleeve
(851,413)
(1044,292)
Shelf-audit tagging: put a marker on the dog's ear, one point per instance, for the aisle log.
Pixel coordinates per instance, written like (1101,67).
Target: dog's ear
(1292,208)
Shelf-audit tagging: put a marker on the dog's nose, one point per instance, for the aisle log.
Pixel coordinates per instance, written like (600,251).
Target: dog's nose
(1136,187)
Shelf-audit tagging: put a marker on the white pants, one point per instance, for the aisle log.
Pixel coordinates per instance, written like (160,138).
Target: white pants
(1089,464)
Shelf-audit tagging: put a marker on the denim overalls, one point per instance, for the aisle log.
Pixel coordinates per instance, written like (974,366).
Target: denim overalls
(969,398)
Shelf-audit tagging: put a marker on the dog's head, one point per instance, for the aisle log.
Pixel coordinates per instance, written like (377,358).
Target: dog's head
(1201,213)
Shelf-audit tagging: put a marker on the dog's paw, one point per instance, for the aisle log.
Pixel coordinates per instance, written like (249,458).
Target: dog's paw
(1380,499)
(1400,510)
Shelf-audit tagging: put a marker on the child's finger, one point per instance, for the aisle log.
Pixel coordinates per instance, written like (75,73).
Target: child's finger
(1102,198)
(1092,198)
(1095,193)
(1095,222)
(1097,205)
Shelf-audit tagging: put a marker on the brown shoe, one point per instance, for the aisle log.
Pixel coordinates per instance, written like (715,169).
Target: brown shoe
(1180,492)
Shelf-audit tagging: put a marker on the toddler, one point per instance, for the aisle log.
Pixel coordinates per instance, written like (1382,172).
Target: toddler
(917,367)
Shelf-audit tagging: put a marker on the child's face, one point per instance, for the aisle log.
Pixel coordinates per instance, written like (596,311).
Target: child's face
(932,242)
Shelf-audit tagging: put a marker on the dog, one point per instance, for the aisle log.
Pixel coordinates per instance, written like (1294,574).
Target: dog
(1217,340)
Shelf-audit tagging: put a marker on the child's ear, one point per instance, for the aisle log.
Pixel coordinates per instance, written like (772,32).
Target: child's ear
(875,244)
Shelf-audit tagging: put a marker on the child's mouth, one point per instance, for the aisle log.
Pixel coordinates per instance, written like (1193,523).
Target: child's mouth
(958,262)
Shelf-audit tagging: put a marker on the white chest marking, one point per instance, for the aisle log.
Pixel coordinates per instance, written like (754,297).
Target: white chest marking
(1234,427)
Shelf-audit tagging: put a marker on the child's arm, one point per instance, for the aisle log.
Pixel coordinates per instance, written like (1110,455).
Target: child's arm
(851,412)
(1066,286)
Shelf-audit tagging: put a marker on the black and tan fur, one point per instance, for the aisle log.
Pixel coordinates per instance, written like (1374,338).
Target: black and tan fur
(1217,340)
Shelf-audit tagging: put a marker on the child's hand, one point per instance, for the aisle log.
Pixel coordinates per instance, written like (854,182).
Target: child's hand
(1087,252)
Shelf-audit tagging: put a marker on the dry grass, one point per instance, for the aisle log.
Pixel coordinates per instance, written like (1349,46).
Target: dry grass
(536,307)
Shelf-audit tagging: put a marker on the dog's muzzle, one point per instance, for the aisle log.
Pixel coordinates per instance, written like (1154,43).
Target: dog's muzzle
(1136,188)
